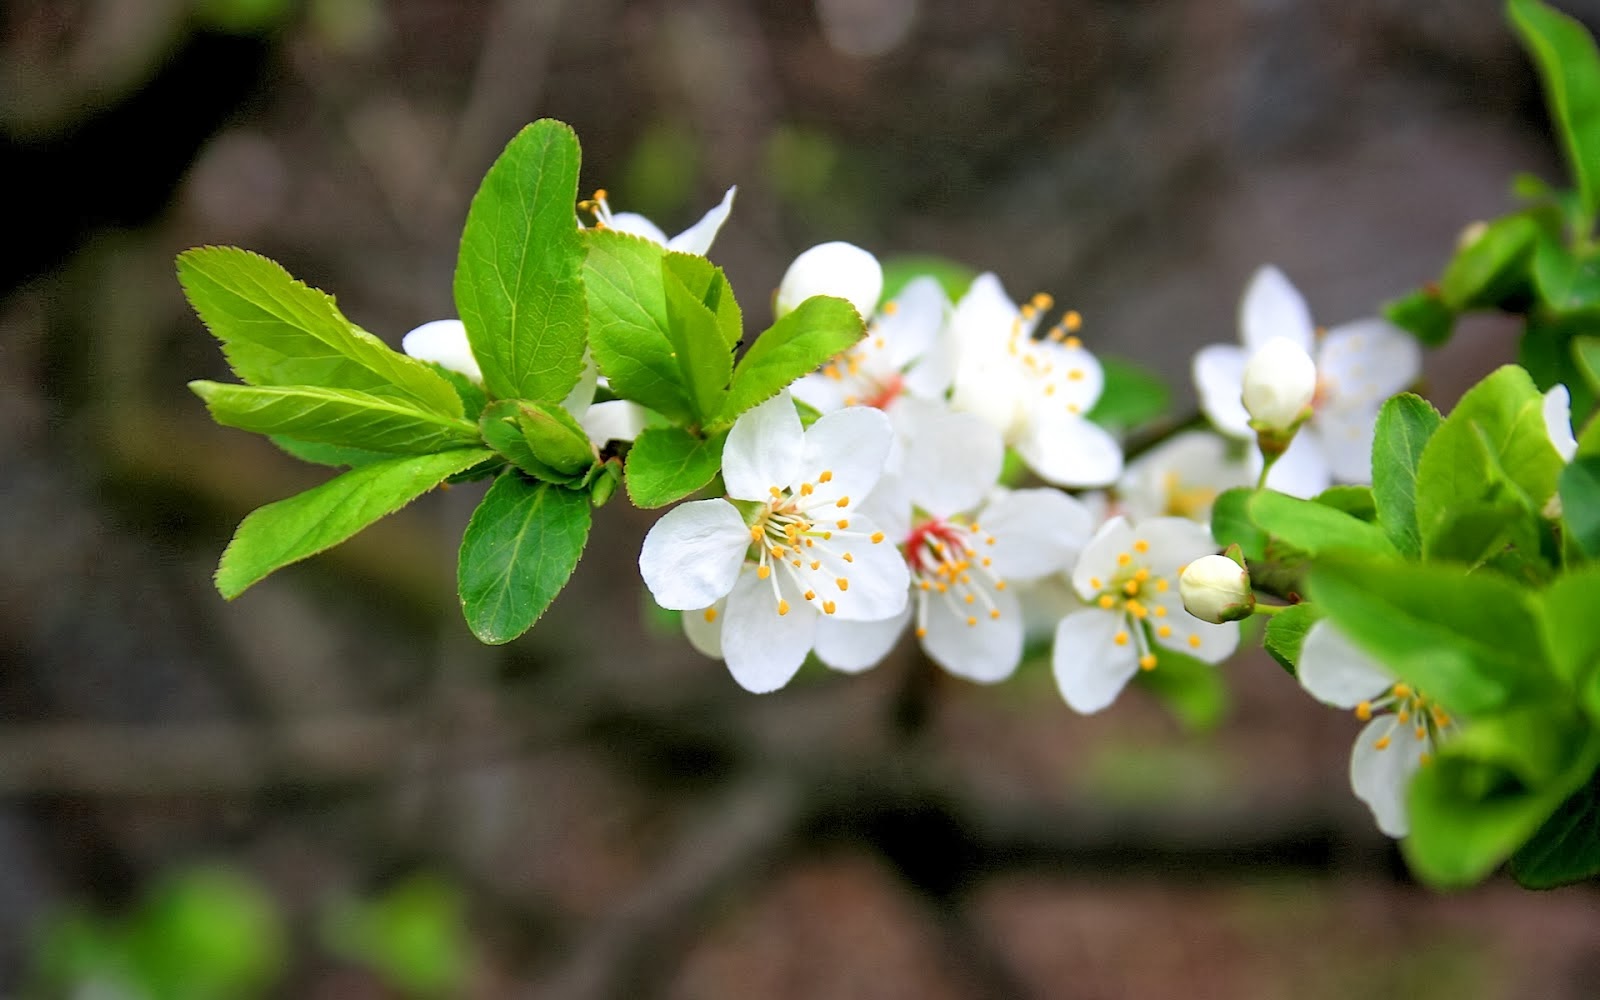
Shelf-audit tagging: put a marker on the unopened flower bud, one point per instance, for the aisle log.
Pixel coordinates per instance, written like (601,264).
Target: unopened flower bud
(839,269)
(1279,382)
(1216,589)
(444,342)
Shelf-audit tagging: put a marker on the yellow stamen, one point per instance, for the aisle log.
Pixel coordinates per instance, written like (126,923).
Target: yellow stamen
(763,571)
(1121,638)
(1194,642)
(1141,546)
(877,536)
(783,607)
(711,614)
(843,583)
(843,502)
(971,621)
(1147,661)
(826,477)
(828,607)
(842,523)
(1364,711)
(1107,601)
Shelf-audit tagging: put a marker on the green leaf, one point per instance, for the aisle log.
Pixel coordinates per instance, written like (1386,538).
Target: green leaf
(1286,633)
(1423,315)
(1487,270)
(1231,523)
(1314,528)
(520,547)
(1571,628)
(331,455)
(1494,441)
(1570,69)
(1404,426)
(1471,640)
(1549,350)
(1565,280)
(628,323)
(1586,353)
(1192,690)
(705,364)
(667,464)
(1567,847)
(519,278)
(290,530)
(334,416)
(1357,501)
(277,331)
(473,398)
(1580,503)
(1133,395)
(803,339)
(1491,787)
(504,428)
(710,287)
(1503,532)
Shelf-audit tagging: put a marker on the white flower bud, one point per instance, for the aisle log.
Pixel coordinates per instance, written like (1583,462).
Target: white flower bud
(840,269)
(1280,381)
(1216,589)
(444,342)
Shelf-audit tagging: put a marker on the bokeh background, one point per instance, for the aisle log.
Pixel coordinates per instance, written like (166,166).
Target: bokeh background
(330,783)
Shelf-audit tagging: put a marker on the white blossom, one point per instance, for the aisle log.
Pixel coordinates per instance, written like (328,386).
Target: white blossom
(1279,382)
(839,269)
(444,342)
(902,354)
(1216,589)
(1181,477)
(697,239)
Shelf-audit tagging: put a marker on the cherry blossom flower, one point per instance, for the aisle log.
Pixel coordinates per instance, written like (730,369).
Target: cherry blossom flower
(1035,391)
(901,354)
(840,269)
(1403,726)
(443,342)
(1181,477)
(794,548)
(962,564)
(1358,366)
(1128,577)
(697,239)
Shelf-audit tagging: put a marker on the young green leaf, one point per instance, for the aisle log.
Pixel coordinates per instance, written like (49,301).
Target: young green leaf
(331,455)
(556,437)
(1405,424)
(1586,354)
(501,426)
(1571,628)
(705,364)
(519,279)
(1132,396)
(803,339)
(1570,68)
(1471,640)
(1352,499)
(1231,523)
(1423,315)
(1493,441)
(706,282)
(667,464)
(276,331)
(1286,633)
(1580,503)
(520,547)
(1314,528)
(334,416)
(1489,268)
(1566,848)
(628,323)
(290,530)
(1566,280)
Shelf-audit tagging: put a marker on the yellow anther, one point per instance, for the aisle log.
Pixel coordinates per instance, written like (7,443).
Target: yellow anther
(806,489)
(994,613)
(890,308)
(756,533)
(763,571)
(1121,638)
(1401,690)
(1137,610)
(1147,661)
(999,585)
(1164,631)
(1094,581)
(1161,584)
(828,607)
(777,551)
(849,558)
(1194,642)
(925,585)
(1141,574)
(971,598)
(1107,601)
(783,606)
(1074,408)
(1382,743)
(877,536)
(843,583)
(827,536)
(989,540)
(1161,611)
(826,477)
(1131,588)
(1364,711)
(971,621)
(843,502)
(816,564)
(922,633)
(1072,321)
(842,523)
(776,493)
(987,561)
(1050,390)
(1124,558)
(1042,301)
(1073,342)
(1404,716)
(1075,375)
(1423,757)
(711,614)
(1421,732)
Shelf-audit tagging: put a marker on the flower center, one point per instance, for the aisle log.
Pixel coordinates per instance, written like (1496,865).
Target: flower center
(806,534)
(1050,365)
(1412,710)
(597,207)
(1186,501)
(1141,597)
(873,381)
(949,562)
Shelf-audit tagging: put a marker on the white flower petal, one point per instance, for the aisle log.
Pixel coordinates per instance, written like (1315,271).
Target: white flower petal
(1302,471)
(613,420)
(1067,450)
(853,444)
(582,394)
(982,320)
(1182,476)
(985,652)
(910,331)
(840,269)
(1036,532)
(1365,362)
(854,646)
(1219,381)
(1091,669)
(878,580)
(763,449)
(818,391)
(953,460)
(444,342)
(692,556)
(703,628)
(1099,558)
(1174,543)
(697,239)
(1272,307)
(1192,637)
(1381,778)
(889,507)
(1336,672)
(1345,437)
(637,225)
(1558,421)
(762,648)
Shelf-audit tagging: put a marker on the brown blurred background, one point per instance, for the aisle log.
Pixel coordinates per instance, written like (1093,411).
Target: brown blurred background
(620,819)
